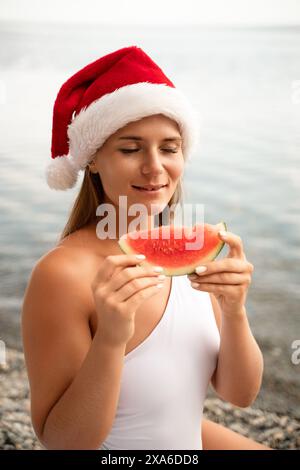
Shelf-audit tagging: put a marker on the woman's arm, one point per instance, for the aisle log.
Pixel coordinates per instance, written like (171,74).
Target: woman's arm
(83,415)
(238,375)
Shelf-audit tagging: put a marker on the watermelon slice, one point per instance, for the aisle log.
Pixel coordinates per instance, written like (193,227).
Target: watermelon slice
(184,248)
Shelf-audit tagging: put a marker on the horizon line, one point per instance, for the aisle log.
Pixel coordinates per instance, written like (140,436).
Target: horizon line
(139,24)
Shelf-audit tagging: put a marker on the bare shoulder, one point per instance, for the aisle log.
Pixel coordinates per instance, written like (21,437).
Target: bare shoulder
(60,271)
(217,310)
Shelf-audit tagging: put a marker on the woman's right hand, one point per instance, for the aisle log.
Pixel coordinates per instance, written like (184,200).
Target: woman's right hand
(119,288)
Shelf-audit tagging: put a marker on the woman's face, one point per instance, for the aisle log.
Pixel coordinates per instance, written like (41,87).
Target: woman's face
(144,152)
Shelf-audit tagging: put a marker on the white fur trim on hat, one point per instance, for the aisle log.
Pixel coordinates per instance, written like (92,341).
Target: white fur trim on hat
(94,124)
(61,173)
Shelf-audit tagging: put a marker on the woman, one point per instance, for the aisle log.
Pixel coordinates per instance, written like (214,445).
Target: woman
(104,370)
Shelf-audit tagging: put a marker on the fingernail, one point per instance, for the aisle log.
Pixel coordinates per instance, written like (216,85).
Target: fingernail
(140,256)
(222,233)
(158,269)
(200,269)
(194,284)
(161,277)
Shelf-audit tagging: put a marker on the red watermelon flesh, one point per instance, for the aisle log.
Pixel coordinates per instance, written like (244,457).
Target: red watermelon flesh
(184,248)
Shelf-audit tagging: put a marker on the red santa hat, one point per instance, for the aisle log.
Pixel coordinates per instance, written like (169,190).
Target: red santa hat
(123,86)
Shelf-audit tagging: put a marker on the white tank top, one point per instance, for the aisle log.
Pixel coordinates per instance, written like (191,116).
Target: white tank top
(165,379)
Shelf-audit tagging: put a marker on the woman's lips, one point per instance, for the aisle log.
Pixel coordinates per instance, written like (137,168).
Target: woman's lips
(148,191)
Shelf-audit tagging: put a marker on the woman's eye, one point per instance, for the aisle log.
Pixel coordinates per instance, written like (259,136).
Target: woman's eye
(136,150)
(128,150)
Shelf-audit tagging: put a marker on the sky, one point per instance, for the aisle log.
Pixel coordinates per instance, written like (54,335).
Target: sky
(205,12)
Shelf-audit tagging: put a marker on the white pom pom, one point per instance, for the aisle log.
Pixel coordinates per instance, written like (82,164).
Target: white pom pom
(61,173)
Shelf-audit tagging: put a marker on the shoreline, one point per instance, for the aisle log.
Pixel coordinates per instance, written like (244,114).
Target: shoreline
(275,430)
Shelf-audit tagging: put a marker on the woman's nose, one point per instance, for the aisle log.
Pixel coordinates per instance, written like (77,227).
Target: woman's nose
(152,162)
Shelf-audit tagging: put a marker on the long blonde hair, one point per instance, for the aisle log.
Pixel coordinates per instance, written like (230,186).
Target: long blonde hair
(91,195)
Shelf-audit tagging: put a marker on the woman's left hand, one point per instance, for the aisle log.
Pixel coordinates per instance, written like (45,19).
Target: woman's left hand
(228,279)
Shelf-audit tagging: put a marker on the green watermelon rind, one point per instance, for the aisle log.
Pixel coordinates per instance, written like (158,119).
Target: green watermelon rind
(187,269)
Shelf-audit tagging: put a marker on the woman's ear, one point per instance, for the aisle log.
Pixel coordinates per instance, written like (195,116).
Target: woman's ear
(92,167)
